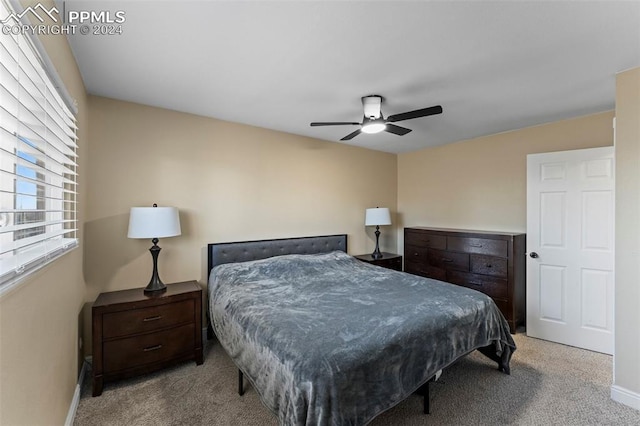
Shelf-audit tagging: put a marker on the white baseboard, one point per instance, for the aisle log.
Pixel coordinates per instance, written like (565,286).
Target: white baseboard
(71,415)
(625,396)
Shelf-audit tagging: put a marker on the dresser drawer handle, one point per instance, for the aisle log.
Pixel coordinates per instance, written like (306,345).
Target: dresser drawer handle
(444,259)
(157,317)
(478,283)
(152,348)
(476,245)
(488,265)
(416,254)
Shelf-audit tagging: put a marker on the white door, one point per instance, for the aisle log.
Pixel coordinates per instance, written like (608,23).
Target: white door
(570,246)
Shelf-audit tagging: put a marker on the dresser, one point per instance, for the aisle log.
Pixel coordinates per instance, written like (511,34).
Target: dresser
(136,332)
(490,262)
(387,260)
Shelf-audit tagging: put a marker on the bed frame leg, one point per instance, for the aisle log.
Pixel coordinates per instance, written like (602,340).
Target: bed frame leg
(424,391)
(209,332)
(240,383)
(209,328)
(426,405)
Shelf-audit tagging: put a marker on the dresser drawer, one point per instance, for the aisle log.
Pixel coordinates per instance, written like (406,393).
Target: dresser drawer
(426,240)
(415,253)
(449,260)
(436,273)
(425,270)
(478,245)
(417,268)
(494,287)
(489,265)
(505,308)
(148,348)
(136,321)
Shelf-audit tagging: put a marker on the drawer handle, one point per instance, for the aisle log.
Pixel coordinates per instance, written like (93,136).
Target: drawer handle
(447,260)
(478,283)
(152,348)
(152,318)
(488,265)
(416,254)
(476,245)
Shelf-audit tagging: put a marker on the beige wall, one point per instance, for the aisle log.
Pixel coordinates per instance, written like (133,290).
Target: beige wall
(627,318)
(39,320)
(481,183)
(230,181)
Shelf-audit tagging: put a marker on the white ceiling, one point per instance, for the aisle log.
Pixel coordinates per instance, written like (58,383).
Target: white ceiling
(493,66)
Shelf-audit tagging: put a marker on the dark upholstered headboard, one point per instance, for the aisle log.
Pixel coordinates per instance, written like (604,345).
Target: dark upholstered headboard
(243,251)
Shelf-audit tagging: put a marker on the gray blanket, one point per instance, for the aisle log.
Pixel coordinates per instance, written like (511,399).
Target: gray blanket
(330,340)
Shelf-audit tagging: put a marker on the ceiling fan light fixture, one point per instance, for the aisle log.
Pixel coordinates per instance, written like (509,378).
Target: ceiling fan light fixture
(374,122)
(374,126)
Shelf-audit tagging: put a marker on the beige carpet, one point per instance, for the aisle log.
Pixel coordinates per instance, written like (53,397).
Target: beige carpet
(550,384)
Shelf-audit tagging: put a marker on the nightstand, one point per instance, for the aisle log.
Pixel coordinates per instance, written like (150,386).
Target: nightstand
(136,333)
(388,260)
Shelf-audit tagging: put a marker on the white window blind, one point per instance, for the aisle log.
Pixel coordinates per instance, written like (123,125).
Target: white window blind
(38,161)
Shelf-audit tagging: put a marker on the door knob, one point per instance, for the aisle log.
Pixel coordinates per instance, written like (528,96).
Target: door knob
(534,255)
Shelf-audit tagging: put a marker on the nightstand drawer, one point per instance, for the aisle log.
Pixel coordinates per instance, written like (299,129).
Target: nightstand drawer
(148,348)
(125,323)
(394,263)
(386,260)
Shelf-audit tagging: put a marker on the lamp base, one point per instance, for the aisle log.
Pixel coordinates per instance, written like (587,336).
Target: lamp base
(155,284)
(155,287)
(376,253)
(376,256)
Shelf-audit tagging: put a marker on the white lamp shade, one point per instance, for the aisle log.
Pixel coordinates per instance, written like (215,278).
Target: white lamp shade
(154,222)
(377,216)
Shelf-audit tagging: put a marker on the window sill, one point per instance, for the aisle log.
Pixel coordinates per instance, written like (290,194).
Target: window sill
(19,280)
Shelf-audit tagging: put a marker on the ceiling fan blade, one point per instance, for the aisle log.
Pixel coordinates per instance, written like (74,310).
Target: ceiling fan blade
(396,130)
(351,135)
(424,112)
(334,123)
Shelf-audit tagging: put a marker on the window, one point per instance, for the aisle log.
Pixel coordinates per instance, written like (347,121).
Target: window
(38,160)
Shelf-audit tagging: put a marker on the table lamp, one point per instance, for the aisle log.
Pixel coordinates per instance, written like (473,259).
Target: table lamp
(154,222)
(378,216)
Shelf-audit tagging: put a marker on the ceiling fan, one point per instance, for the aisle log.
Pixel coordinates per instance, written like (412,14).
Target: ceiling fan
(374,122)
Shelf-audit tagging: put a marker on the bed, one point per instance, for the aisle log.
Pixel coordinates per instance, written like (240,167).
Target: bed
(326,339)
